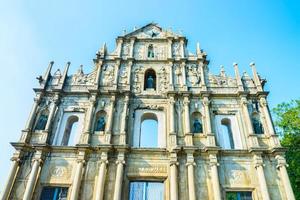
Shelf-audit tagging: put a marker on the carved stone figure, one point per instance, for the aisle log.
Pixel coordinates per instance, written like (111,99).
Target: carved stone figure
(150,82)
(193,75)
(123,75)
(41,124)
(197,126)
(178,74)
(100,125)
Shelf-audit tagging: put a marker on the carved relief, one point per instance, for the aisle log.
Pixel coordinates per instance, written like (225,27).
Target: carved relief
(108,74)
(136,80)
(123,75)
(193,75)
(178,74)
(139,51)
(163,82)
(56,77)
(126,49)
(221,80)
(176,49)
(160,51)
(83,79)
(154,170)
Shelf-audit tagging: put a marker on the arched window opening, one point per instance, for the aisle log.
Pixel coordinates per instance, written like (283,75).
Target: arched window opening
(70,131)
(100,122)
(197,126)
(257,125)
(150,51)
(150,80)
(227,131)
(149,130)
(42,121)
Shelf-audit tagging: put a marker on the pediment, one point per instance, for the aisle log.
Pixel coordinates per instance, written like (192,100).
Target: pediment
(151,31)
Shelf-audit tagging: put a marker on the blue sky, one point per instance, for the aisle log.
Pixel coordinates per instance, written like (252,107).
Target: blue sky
(32,33)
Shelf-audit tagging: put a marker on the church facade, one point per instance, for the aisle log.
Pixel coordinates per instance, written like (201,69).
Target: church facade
(150,122)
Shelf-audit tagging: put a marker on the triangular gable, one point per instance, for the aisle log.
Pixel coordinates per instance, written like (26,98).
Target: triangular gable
(151,30)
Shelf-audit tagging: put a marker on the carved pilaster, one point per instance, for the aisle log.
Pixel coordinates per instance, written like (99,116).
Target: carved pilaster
(252,138)
(213,162)
(281,166)
(258,164)
(15,165)
(173,177)
(78,175)
(37,161)
(190,163)
(123,121)
(108,130)
(119,176)
(99,186)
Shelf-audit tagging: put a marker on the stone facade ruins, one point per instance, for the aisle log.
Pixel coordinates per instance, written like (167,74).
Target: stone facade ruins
(214,138)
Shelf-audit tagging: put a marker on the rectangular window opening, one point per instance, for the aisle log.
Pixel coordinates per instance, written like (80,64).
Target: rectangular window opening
(146,190)
(239,195)
(54,193)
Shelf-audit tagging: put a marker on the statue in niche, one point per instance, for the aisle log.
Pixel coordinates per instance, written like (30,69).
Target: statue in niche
(197,126)
(150,51)
(150,82)
(257,126)
(178,74)
(41,124)
(100,124)
(176,49)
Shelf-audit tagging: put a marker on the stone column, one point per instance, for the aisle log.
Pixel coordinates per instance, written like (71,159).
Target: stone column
(172,132)
(215,176)
(11,178)
(183,74)
(52,112)
(253,142)
(119,46)
(101,177)
(132,40)
(85,136)
(77,177)
(237,77)
(90,113)
(191,181)
(271,132)
(281,166)
(258,163)
(182,48)
(119,176)
(32,115)
(203,85)
(173,177)
(110,119)
(171,83)
(256,77)
(210,136)
(187,136)
(169,48)
(130,63)
(99,69)
(265,110)
(116,72)
(124,121)
(33,177)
